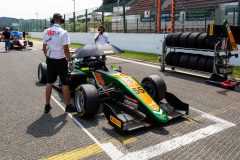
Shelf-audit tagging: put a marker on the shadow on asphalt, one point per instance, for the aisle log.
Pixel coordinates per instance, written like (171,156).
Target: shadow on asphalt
(47,126)
(38,84)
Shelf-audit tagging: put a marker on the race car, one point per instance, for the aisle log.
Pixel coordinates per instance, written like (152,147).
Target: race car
(18,42)
(127,104)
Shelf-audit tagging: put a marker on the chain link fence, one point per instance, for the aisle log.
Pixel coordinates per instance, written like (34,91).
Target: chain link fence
(140,16)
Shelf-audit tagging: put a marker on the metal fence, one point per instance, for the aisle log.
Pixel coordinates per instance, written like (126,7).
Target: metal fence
(140,16)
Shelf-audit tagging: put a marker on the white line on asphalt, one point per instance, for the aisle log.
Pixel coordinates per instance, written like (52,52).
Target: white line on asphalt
(108,148)
(170,145)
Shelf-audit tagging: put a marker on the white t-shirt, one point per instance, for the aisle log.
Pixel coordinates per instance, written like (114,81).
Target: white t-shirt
(102,39)
(56,37)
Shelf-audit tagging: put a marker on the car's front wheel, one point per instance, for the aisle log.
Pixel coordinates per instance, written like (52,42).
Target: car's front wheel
(42,73)
(155,86)
(86,100)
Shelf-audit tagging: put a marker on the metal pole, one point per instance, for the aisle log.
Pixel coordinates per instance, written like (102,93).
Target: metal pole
(103,16)
(124,17)
(86,14)
(137,25)
(74,22)
(239,12)
(172,24)
(64,17)
(74,16)
(234,15)
(183,19)
(159,17)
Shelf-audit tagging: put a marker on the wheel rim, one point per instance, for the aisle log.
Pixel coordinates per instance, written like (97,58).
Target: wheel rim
(40,73)
(79,101)
(150,88)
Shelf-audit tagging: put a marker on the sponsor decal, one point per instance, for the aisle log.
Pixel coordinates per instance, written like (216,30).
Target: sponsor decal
(130,102)
(115,121)
(154,106)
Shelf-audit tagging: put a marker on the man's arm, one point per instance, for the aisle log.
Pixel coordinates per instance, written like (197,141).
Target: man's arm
(67,52)
(96,37)
(45,49)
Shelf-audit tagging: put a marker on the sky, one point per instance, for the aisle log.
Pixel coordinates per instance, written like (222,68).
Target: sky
(27,9)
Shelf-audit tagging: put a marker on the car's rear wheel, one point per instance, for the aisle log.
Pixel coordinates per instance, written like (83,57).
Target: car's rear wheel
(86,100)
(155,86)
(42,73)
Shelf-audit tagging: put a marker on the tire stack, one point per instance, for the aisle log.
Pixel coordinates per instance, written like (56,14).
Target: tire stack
(195,40)
(190,61)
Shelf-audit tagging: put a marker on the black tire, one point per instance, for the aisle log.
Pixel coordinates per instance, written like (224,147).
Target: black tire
(155,86)
(201,41)
(209,64)
(42,73)
(210,42)
(184,59)
(183,40)
(169,39)
(175,39)
(193,61)
(168,58)
(192,40)
(86,100)
(202,63)
(175,58)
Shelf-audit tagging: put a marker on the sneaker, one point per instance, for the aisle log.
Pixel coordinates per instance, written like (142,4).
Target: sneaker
(70,108)
(47,108)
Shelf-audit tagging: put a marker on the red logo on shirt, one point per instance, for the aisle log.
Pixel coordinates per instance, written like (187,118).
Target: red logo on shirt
(50,32)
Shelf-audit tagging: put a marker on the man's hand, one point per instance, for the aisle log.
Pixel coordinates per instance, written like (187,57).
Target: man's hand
(70,65)
(45,49)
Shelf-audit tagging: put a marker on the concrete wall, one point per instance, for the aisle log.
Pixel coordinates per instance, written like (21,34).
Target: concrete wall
(151,43)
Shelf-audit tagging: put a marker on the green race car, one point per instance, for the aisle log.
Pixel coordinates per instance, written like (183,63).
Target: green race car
(127,103)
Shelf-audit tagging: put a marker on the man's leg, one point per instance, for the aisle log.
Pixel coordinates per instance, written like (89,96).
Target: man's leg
(66,94)
(6,46)
(48,93)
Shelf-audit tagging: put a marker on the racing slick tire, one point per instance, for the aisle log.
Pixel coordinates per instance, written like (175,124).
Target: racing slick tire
(42,73)
(183,40)
(201,41)
(192,40)
(175,39)
(184,59)
(193,61)
(168,58)
(86,100)
(209,64)
(175,58)
(202,63)
(168,39)
(155,87)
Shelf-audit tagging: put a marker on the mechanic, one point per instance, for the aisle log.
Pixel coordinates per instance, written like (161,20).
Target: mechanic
(6,36)
(56,50)
(24,35)
(101,37)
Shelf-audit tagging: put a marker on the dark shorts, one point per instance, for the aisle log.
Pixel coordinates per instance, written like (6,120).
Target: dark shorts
(57,67)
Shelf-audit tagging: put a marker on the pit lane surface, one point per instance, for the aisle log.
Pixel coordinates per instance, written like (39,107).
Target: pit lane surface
(27,133)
